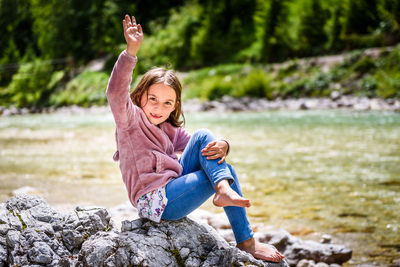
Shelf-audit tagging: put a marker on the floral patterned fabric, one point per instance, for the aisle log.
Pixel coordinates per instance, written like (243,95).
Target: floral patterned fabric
(152,204)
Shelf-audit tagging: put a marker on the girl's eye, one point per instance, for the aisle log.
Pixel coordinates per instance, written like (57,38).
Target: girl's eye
(153,99)
(168,104)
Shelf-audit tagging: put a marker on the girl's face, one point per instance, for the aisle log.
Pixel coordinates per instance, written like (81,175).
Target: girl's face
(158,102)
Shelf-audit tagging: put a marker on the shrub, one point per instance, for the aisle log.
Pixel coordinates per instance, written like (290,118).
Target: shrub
(369,85)
(216,87)
(364,65)
(197,82)
(293,89)
(86,89)
(257,84)
(388,84)
(317,85)
(289,69)
(392,60)
(33,84)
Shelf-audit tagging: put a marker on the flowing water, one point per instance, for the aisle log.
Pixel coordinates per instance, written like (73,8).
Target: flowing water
(309,172)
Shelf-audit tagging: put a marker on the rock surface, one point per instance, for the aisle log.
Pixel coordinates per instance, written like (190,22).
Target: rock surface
(296,250)
(179,243)
(336,101)
(34,234)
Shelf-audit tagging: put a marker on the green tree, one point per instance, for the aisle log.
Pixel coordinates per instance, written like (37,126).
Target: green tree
(335,42)
(172,43)
(390,11)
(227,28)
(362,17)
(273,44)
(79,29)
(16,36)
(312,35)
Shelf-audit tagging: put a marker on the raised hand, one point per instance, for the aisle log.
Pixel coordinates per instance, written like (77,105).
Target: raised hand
(133,35)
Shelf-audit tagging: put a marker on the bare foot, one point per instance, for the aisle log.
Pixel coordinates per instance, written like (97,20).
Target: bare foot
(226,196)
(260,251)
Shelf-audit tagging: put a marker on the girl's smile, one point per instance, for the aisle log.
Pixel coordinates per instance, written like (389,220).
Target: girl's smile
(158,102)
(155,116)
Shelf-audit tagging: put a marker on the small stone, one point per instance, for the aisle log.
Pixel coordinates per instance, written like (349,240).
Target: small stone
(305,263)
(326,239)
(335,95)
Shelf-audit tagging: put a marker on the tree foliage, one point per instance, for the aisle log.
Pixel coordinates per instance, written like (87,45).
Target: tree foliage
(312,35)
(185,34)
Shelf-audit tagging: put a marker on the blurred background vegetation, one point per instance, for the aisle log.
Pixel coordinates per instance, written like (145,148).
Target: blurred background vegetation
(223,47)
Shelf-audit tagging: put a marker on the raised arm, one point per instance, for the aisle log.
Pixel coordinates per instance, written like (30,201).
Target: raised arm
(121,77)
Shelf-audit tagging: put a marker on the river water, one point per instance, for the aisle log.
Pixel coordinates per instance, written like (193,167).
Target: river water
(309,172)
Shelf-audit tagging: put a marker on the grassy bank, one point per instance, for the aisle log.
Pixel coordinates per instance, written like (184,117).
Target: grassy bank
(357,73)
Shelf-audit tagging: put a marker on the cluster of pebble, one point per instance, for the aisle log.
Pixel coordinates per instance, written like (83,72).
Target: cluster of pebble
(228,103)
(67,109)
(336,101)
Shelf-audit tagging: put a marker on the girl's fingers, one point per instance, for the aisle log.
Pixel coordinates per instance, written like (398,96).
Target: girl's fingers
(128,20)
(133,20)
(222,160)
(208,146)
(211,152)
(211,144)
(140,28)
(214,154)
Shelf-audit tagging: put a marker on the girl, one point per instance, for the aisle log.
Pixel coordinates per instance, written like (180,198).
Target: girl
(149,133)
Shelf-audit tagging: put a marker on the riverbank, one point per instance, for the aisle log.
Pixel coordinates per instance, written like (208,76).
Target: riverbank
(336,101)
(231,104)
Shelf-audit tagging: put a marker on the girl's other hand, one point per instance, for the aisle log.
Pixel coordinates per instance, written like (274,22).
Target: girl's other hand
(215,150)
(133,35)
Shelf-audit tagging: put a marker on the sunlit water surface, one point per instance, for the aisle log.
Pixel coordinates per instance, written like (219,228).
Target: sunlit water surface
(310,172)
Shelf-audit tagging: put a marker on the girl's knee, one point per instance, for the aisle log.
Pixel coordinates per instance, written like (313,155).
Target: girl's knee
(203,133)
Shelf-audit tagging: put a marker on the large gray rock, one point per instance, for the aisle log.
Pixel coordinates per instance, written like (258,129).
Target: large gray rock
(174,243)
(34,234)
(296,249)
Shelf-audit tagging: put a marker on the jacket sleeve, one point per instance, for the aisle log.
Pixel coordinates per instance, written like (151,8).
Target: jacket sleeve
(181,140)
(121,105)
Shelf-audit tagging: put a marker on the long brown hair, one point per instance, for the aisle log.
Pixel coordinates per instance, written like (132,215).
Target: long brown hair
(168,77)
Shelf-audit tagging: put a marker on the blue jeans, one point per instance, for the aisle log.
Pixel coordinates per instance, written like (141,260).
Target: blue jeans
(197,184)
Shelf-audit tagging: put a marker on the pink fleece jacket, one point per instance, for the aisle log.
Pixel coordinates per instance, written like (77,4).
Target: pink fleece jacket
(146,152)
